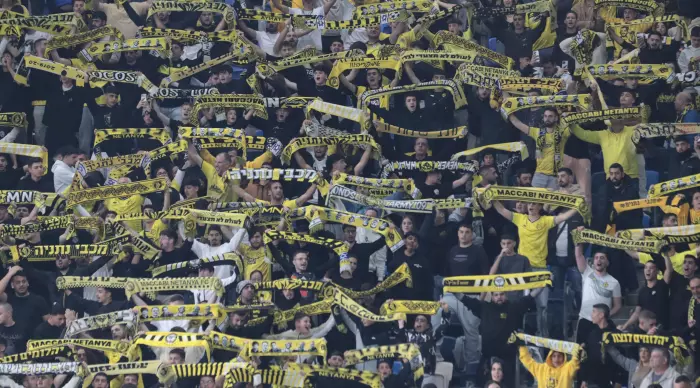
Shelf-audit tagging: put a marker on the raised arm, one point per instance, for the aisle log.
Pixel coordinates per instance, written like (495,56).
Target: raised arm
(327,5)
(519,124)
(561,217)
(278,4)
(668,272)
(581,262)
(507,214)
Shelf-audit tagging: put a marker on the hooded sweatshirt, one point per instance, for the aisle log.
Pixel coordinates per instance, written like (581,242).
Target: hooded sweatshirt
(546,374)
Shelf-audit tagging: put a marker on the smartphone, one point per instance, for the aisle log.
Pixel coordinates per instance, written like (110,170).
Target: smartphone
(565,64)
(144,97)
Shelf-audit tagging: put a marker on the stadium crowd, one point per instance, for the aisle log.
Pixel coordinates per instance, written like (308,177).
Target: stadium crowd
(310,193)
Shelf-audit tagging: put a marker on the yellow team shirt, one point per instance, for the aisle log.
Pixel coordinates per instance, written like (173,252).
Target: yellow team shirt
(127,205)
(545,149)
(617,147)
(256,260)
(676,260)
(154,234)
(289,203)
(373,49)
(533,238)
(216,187)
(379,102)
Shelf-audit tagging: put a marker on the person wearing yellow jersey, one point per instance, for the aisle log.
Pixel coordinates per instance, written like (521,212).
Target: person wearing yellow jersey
(277,196)
(217,186)
(677,258)
(533,232)
(127,205)
(550,141)
(256,256)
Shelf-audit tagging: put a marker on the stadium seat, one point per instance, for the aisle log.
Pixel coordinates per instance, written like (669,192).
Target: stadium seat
(652,178)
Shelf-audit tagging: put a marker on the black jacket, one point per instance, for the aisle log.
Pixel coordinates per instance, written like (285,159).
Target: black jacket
(503,319)
(606,196)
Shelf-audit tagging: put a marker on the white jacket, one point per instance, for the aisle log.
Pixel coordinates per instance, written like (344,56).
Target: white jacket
(62,176)
(686,55)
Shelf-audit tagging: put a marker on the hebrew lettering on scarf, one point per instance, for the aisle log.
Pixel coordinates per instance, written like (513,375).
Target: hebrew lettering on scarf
(114,191)
(304,22)
(652,130)
(646,6)
(450,41)
(483,76)
(497,283)
(39,355)
(673,344)
(458,97)
(40,369)
(524,84)
(457,132)
(248,101)
(276,174)
(39,253)
(517,146)
(537,7)
(679,232)
(305,142)
(593,237)
(161,370)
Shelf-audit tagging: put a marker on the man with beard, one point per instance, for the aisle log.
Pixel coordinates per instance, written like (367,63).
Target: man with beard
(550,141)
(266,40)
(684,160)
(256,256)
(685,108)
(618,187)
(568,30)
(656,52)
(598,288)
(9,176)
